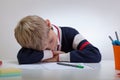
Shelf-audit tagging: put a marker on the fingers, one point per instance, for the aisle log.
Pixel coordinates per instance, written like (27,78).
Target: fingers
(57,52)
(54,59)
(48,60)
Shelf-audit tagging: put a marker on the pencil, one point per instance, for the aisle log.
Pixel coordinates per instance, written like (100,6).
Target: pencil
(72,65)
(116,35)
(111,38)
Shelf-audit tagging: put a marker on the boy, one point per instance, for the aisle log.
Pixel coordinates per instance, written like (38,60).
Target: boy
(43,42)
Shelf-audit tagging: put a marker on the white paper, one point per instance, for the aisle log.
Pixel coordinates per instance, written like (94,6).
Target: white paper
(51,66)
(45,66)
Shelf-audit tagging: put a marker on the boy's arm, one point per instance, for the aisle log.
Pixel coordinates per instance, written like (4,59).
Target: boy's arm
(55,57)
(83,51)
(29,56)
(89,54)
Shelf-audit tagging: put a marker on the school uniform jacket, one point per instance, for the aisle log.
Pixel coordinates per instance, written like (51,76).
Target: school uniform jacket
(75,46)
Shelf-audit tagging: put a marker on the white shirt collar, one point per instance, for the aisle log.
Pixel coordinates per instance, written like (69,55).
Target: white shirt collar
(57,31)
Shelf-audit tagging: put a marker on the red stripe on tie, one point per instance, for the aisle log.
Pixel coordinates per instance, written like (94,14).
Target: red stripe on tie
(84,45)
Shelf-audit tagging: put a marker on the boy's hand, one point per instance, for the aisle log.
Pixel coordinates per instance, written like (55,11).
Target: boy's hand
(58,52)
(55,57)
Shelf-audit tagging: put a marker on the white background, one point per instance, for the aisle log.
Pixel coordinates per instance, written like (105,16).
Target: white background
(94,19)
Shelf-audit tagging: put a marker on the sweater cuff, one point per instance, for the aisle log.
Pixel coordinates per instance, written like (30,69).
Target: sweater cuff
(78,38)
(47,54)
(64,57)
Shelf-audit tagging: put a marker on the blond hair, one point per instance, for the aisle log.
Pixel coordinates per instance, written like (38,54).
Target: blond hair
(32,32)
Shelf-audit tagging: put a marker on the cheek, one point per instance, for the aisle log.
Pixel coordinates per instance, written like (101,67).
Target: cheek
(54,43)
(55,40)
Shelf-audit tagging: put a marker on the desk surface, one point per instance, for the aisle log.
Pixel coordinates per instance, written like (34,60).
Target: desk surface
(101,71)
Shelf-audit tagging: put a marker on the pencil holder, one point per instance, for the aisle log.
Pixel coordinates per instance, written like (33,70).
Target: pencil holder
(116,50)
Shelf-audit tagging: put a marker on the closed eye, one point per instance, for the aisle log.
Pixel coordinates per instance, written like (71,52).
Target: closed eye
(51,41)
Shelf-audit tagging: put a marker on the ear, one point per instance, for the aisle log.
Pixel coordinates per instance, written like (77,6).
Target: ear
(48,22)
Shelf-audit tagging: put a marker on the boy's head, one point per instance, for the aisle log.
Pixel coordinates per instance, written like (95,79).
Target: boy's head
(35,32)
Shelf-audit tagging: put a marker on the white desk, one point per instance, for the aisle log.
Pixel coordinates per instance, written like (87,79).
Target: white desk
(101,71)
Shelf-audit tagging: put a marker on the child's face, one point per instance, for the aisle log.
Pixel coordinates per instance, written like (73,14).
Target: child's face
(52,40)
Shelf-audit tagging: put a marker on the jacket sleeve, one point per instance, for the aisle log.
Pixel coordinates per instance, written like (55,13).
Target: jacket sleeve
(29,56)
(86,53)
(83,51)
